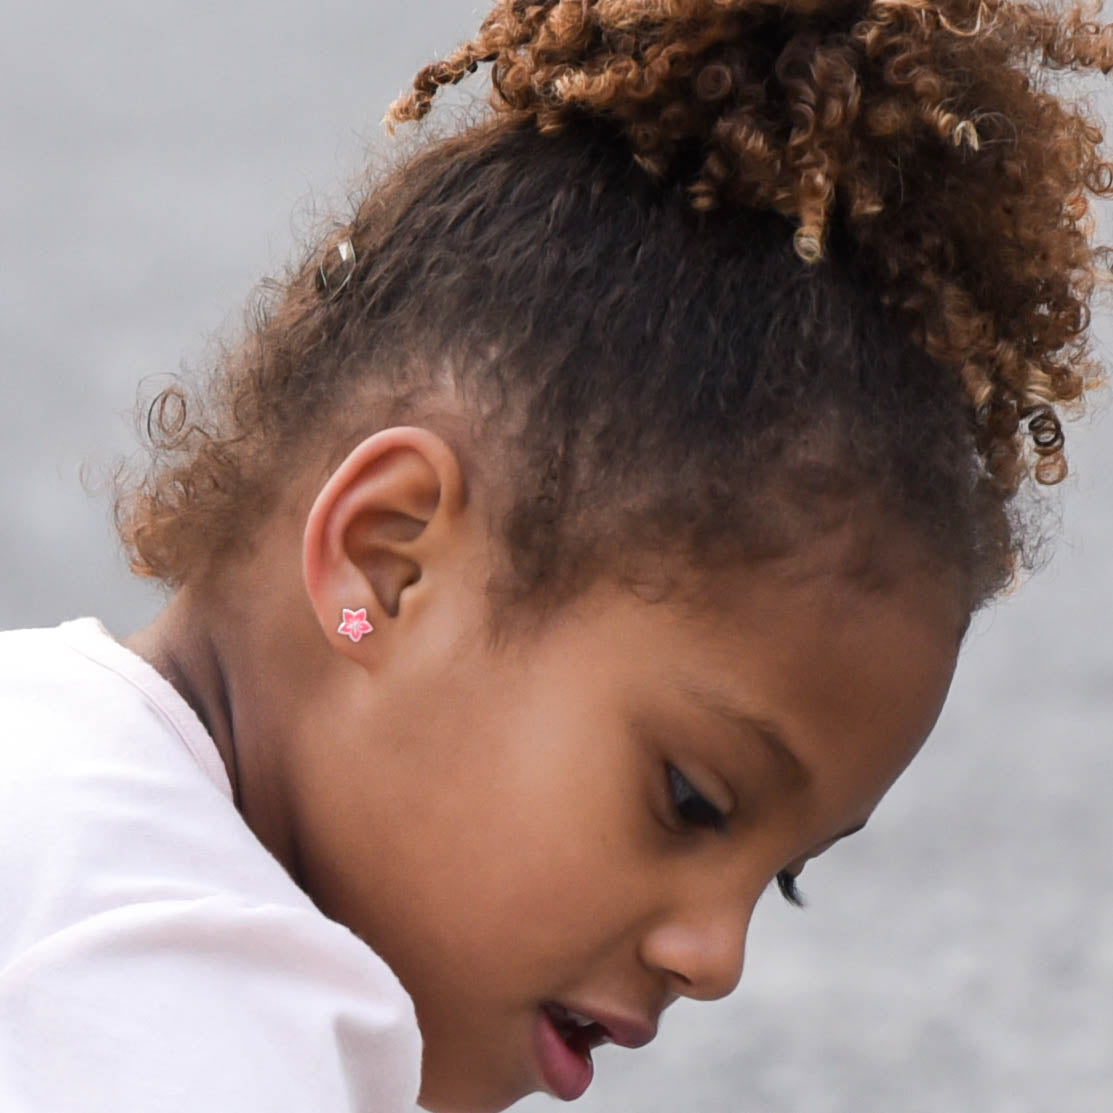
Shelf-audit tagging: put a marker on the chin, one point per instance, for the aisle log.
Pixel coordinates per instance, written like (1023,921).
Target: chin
(466,1098)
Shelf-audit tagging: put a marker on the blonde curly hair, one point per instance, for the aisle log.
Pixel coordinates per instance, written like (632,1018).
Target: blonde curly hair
(627,207)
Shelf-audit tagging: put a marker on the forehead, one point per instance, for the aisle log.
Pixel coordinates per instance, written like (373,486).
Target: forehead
(851,678)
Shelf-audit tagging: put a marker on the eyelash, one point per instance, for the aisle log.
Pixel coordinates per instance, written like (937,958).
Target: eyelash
(695,810)
(692,808)
(786,882)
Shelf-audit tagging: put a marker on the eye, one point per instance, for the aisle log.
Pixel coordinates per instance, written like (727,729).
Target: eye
(693,809)
(786,882)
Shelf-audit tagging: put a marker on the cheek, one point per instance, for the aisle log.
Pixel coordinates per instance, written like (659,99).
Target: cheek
(550,850)
(499,837)
(549,832)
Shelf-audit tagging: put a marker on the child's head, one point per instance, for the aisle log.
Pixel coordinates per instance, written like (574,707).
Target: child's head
(702,376)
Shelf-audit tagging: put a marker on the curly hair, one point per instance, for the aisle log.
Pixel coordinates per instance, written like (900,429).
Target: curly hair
(730,265)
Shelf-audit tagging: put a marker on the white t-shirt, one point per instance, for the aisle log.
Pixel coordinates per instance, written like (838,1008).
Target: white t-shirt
(154,956)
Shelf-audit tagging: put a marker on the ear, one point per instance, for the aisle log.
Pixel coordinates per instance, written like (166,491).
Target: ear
(386,515)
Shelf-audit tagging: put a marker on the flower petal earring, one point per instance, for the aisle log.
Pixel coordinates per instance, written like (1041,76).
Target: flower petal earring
(354,624)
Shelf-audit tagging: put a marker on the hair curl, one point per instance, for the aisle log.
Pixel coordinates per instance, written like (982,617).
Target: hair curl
(732,259)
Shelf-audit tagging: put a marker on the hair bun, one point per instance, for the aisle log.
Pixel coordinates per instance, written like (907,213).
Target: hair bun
(921,126)
(766,92)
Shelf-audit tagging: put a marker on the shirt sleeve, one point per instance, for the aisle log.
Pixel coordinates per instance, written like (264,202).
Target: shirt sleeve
(208,1004)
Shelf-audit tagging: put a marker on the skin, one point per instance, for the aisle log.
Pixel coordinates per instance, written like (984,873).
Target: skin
(494,817)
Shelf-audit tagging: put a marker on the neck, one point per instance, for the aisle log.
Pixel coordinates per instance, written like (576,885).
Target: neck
(192,649)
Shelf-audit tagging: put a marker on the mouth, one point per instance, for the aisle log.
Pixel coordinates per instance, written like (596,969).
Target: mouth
(565,1038)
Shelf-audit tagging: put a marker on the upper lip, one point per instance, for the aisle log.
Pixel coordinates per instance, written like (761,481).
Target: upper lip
(626,1031)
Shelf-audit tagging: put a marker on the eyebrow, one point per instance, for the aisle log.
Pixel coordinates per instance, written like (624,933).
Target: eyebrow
(746,724)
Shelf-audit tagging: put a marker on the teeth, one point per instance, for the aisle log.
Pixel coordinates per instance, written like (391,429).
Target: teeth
(569,1017)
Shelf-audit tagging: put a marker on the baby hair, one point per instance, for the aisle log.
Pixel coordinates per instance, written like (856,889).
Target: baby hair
(712,276)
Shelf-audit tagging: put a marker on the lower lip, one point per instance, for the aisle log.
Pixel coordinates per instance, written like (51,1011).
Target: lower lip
(566,1073)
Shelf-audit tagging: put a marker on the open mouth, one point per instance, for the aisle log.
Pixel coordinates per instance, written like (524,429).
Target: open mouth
(564,1042)
(580,1033)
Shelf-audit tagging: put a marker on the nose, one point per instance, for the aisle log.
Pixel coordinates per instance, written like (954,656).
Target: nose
(702,954)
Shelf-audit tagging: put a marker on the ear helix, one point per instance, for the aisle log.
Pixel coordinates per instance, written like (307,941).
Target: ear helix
(354,624)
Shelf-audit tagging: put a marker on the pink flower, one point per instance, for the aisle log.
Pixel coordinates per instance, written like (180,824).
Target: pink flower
(355,624)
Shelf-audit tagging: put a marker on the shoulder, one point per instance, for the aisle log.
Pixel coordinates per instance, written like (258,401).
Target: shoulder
(150,941)
(73,692)
(212,1003)
(111,791)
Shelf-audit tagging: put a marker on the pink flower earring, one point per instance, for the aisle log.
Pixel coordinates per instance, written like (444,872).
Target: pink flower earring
(354,624)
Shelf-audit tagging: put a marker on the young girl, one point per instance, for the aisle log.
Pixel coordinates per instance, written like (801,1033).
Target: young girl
(583,540)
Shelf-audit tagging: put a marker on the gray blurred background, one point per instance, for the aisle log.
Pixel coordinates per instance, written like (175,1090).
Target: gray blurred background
(156,160)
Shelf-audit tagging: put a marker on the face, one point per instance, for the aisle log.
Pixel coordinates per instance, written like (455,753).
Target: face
(584,820)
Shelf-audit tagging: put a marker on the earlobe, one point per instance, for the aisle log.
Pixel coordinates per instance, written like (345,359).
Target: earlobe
(383,515)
